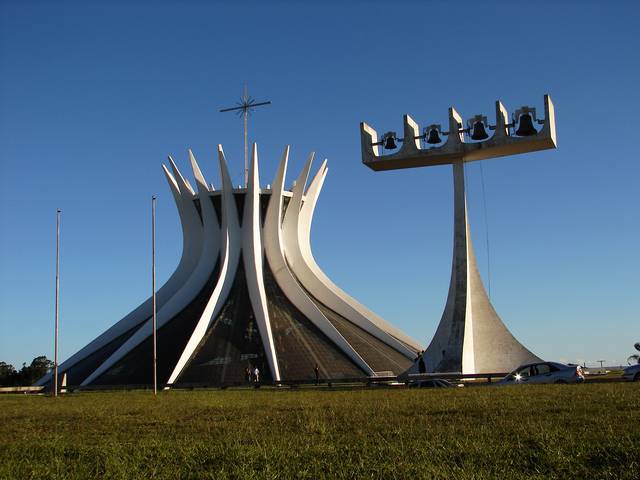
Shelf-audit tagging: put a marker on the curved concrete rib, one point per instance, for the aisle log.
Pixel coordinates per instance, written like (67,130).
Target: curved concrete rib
(191,287)
(183,183)
(296,228)
(229,255)
(252,257)
(191,248)
(274,250)
(229,236)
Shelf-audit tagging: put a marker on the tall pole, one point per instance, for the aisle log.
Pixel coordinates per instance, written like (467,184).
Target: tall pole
(246,147)
(55,342)
(153,288)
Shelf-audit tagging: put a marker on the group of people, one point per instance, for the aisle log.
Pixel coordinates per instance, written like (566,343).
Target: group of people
(252,375)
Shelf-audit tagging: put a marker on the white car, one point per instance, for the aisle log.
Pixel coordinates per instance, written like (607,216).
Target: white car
(632,373)
(544,372)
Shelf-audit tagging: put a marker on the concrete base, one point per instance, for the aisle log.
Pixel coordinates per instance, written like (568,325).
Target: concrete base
(470,338)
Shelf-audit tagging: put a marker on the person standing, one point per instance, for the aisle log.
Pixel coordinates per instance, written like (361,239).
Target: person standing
(316,371)
(422,368)
(247,375)
(256,375)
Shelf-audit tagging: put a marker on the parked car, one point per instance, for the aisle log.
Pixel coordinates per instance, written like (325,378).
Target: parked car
(431,383)
(632,373)
(544,372)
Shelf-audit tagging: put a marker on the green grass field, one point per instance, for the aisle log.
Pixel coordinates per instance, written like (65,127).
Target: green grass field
(555,431)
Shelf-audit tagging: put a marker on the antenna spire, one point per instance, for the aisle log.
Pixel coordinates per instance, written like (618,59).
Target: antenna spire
(244,107)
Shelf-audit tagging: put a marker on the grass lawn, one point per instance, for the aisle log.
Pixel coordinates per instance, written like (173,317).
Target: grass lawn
(589,431)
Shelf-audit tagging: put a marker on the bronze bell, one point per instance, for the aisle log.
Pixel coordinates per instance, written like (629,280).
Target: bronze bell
(478,132)
(433,137)
(525,126)
(389,141)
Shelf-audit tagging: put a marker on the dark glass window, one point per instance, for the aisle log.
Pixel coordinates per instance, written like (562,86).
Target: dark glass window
(231,344)
(135,368)
(300,345)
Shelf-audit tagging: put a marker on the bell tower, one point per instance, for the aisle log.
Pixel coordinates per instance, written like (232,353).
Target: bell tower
(471,337)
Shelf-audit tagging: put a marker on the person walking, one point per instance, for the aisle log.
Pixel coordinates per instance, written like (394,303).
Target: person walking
(247,375)
(256,376)
(316,371)
(422,368)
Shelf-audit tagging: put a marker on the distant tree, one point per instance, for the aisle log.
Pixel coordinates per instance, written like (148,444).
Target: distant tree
(8,375)
(27,375)
(38,368)
(6,369)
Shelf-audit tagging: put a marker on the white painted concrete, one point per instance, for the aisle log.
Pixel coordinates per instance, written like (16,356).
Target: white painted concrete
(274,248)
(229,258)
(455,149)
(471,337)
(252,257)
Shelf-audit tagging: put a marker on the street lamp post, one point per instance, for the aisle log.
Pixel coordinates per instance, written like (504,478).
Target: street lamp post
(153,290)
(55,341)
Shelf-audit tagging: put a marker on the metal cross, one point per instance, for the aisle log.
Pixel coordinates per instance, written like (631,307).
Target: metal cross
(244,107)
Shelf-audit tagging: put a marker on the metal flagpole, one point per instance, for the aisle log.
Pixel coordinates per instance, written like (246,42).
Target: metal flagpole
(153,288)
(55,342)
(245,107)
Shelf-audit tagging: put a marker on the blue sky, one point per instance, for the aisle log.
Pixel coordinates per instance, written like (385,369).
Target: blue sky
(93,96)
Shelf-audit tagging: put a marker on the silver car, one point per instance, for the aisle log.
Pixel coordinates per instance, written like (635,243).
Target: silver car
(544,372)
(632,373)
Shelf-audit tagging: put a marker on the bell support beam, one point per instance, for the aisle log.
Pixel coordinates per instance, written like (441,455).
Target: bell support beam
(471,337)
(455,149)
(453,338)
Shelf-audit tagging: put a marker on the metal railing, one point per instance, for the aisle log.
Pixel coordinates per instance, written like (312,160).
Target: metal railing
(380,380)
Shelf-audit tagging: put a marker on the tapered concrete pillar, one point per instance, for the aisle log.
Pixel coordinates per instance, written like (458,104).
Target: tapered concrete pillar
(470,338)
